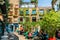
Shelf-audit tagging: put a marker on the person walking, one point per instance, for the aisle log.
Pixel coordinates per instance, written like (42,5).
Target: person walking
(58,34)
(2,26)
(21,30)
(40,35)
(4,14)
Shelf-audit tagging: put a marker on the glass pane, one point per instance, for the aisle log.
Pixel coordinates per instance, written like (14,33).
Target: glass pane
(33,19)
(34,12)
(26,0)
(21,12)
(41,11)
(27,11)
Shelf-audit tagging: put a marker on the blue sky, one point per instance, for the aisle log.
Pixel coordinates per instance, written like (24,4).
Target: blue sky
(42,3)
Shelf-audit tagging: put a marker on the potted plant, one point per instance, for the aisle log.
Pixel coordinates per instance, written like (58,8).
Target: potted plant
(49,23)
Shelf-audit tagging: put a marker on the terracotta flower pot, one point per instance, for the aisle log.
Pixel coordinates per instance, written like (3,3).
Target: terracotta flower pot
(52,38)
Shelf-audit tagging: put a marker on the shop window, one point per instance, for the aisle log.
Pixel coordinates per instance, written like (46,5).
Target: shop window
(33,19)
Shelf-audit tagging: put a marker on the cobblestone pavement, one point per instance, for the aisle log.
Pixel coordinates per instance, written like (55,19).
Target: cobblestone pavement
(9,36)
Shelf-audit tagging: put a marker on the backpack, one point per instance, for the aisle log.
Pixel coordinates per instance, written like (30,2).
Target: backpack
(30,34)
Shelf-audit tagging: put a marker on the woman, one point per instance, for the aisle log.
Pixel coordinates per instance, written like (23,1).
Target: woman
(21,30)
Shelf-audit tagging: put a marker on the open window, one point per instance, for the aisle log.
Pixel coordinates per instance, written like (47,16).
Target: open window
(21,19)
(33,19)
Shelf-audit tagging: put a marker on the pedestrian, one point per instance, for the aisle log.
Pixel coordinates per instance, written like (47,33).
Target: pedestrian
(2,27)
(58,34)
(21,30)
(45,36)
(40,35)
(12,28)
(30,36)
(4,12)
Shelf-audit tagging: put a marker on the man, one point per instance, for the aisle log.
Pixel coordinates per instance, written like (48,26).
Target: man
(2,27)
(4,12)
(58,34)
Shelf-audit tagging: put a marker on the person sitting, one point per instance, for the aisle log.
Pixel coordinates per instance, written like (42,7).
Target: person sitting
(40,35)
(35,33)
(57,34)
(30,35)
(45,35)
(21,30)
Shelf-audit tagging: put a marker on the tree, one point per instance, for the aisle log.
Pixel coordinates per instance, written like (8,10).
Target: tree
(50,22)
(7,5)
(34,1)
(53,2)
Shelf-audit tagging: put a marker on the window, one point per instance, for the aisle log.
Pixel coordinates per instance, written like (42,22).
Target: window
(48,10)
(26,0)
(41,11)
(33,19)
(33,11)
(27,19)
(21,19)
(21,12)
(41,17)
(27,11)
